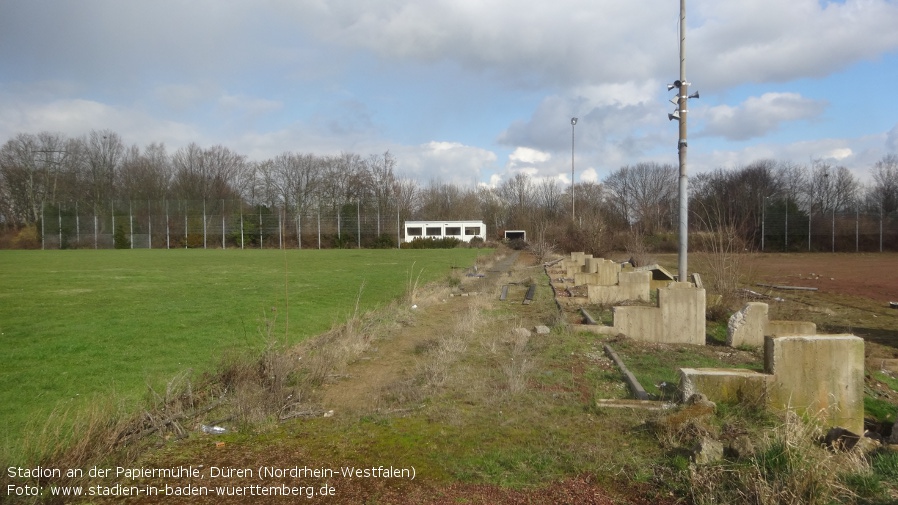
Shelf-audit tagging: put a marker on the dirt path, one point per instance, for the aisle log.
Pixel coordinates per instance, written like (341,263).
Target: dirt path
(389,360)
(397,357)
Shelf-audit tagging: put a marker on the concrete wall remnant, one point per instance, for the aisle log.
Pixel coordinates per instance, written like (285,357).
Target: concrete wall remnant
(629,286)
(750,325)
(821,376)
(598,271)
(817,376)
(678,318)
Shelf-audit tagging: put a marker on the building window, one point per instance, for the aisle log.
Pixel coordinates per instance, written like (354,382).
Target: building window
(472,230)
(413,232)
(434,231)
(453,231)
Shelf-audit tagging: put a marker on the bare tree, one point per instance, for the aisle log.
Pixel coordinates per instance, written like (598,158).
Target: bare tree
(145,175)
(643,194)
(380,173)
(518,193)
(104,151)
(884,191)
(32,173)
(207,174)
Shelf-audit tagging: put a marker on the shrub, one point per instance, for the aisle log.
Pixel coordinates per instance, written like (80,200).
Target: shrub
(27,238)
(120,238)
(384,241)
(433,243)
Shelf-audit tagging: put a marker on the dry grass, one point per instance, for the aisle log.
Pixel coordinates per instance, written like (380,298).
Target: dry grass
(789,467)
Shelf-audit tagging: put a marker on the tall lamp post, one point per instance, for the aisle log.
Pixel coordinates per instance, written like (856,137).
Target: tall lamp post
(573,200)
(679,114)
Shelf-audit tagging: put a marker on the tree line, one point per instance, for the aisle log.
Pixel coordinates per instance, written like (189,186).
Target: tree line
(759,200)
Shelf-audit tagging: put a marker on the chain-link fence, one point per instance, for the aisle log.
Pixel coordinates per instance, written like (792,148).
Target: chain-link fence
(215,225)
(845,231)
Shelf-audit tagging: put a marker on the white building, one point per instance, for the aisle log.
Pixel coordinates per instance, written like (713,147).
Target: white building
(462,230)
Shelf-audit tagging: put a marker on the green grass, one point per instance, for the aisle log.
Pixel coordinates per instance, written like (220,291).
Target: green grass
(78,323)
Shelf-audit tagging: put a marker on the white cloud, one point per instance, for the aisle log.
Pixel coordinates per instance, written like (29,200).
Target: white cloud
(775,41)
(527,156)
(758,116)
(449,162)
(589,175)
(76,117)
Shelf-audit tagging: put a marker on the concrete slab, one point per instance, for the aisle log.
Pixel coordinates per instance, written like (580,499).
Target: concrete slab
(650,405)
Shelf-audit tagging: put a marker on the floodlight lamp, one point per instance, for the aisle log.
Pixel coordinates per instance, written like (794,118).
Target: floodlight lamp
(573,121)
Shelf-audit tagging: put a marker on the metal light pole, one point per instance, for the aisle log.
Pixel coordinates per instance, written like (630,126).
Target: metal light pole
(682,86)
(573,200)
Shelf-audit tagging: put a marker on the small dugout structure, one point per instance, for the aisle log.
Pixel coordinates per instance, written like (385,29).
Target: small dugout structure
(462,230)
(516,235)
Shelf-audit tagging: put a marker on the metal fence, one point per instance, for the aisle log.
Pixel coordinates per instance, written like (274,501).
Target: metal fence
(847,231)
(215,225)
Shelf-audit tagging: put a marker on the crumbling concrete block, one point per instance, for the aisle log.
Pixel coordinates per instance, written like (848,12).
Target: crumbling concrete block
(748,326)
(819,376)
(726,385)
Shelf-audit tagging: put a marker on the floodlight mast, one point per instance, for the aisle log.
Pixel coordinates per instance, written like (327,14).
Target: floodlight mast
(681,148)
(573,201)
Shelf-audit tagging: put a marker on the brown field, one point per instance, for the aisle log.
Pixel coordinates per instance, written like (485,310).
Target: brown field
(852,294)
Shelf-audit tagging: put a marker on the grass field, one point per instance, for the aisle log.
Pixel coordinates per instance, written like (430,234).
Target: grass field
(74,324)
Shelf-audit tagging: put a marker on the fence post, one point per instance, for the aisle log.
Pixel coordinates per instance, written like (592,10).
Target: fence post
(149,226)
(167,228)
(223,247)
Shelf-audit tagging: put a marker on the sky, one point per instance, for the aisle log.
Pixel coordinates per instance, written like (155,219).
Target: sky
(462,91)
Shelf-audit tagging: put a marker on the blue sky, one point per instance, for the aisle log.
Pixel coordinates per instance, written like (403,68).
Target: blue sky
(462,91)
